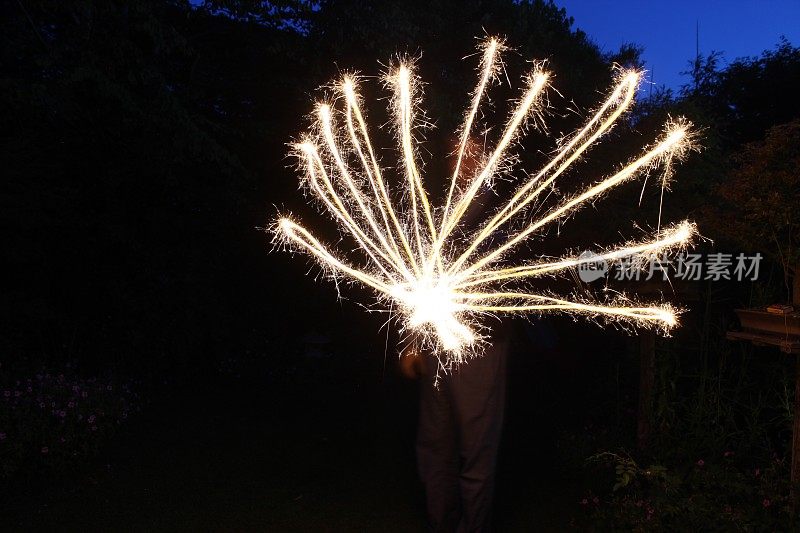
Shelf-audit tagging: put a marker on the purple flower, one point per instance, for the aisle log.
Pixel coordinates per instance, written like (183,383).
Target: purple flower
(71,405)
(45,450)
(94,428)
(700,462)
(92,418)
(2,436)
(62,413)
(7,393)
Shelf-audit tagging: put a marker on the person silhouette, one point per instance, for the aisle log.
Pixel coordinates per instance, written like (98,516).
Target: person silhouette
(460,413)
(459,430)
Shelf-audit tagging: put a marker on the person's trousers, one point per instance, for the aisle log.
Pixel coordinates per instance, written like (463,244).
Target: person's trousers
(460,423)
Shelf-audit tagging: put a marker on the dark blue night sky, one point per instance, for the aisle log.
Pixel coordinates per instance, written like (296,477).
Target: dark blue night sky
(667,29)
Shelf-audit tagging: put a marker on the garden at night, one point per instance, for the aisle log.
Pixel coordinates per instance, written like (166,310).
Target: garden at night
(344,265)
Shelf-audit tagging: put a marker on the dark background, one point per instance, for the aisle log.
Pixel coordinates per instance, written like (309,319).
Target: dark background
(143,148)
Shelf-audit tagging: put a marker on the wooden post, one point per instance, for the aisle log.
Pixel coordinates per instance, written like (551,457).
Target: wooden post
(768,337)
(647,379)
(795,474)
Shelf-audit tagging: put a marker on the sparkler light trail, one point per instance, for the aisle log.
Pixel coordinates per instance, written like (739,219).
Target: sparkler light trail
(443,277)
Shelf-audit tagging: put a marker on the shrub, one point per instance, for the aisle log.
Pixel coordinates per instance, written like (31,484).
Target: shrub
(49,418)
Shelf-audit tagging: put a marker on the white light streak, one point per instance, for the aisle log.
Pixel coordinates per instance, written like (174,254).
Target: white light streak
(415,257)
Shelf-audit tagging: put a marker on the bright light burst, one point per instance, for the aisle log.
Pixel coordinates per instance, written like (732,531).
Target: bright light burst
(424,261)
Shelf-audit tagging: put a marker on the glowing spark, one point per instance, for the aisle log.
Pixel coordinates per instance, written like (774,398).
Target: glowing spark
(416,258)
(488,64)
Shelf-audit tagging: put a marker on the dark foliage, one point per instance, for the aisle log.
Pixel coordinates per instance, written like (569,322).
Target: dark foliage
(143,152)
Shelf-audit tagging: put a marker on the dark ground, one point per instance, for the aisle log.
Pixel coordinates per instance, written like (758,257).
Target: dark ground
(322,454)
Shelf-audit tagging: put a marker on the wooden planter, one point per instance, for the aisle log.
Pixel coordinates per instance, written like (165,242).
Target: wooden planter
(758,320)
(767,329)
